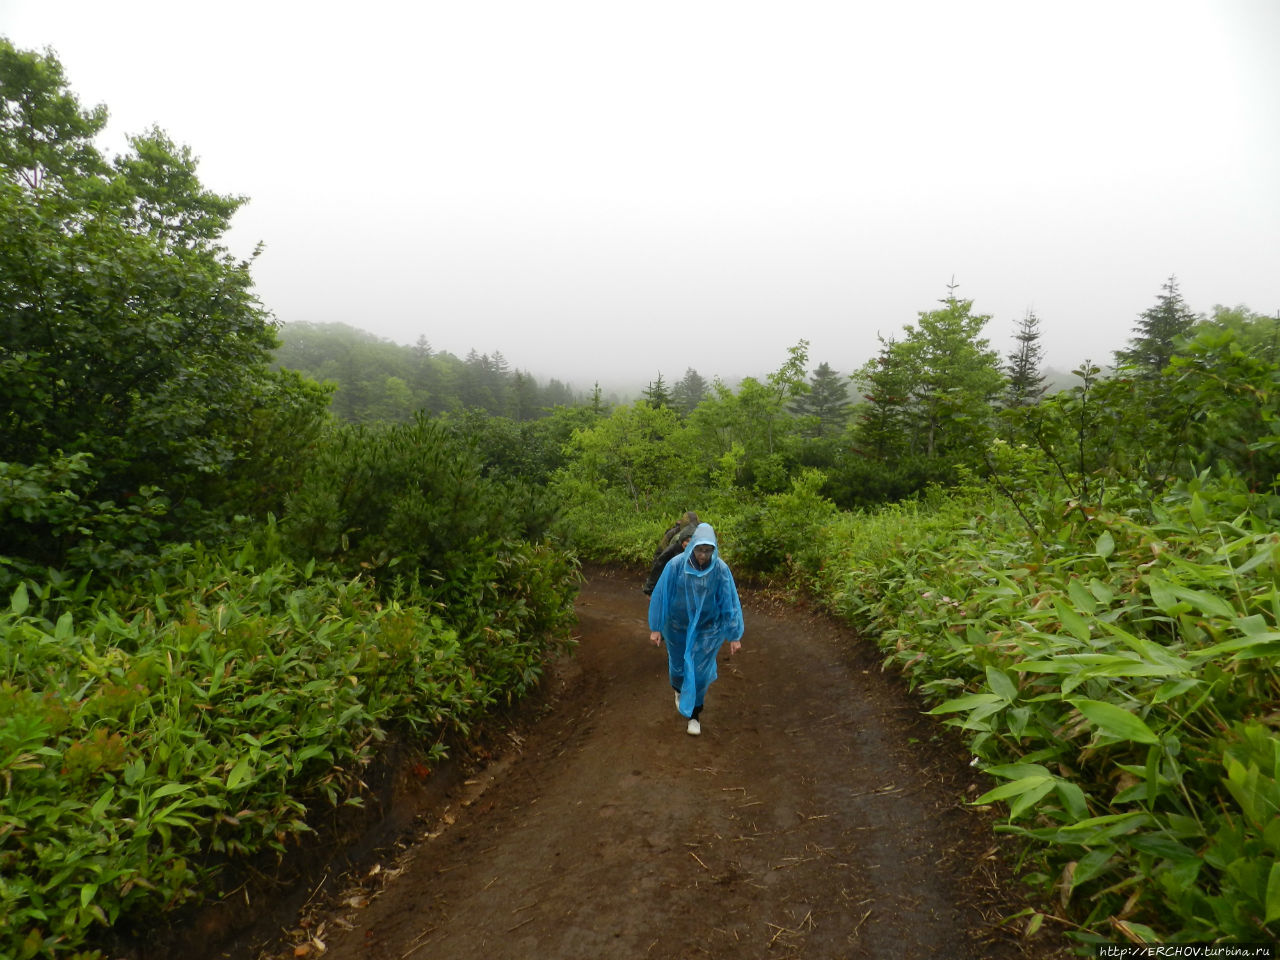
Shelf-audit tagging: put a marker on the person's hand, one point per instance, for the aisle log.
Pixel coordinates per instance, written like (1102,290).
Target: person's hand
(734,646)
(656,637)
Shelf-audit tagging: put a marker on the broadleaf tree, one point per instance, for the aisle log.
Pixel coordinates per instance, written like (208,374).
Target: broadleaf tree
(130,339)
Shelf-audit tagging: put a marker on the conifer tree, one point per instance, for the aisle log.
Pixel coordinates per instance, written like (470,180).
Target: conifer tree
(827,400)
(1157,332)
(957,376)
(882,424)
(656,394)
(1026,382)
(688,393)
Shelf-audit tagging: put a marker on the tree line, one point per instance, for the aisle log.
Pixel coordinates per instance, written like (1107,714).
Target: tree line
(376,379)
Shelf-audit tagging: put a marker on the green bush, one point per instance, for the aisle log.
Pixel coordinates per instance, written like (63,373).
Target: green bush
(1117,679)
(214,715)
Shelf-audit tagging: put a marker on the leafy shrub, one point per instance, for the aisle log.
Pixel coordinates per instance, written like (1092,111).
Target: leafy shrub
(1117,680)
(215,714)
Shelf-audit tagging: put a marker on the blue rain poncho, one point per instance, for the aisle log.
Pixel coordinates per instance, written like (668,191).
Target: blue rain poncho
(695,611)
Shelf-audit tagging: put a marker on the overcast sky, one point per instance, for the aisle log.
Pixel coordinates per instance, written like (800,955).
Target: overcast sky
(607,190)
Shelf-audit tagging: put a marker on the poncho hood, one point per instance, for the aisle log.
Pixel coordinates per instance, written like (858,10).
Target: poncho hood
(703,534)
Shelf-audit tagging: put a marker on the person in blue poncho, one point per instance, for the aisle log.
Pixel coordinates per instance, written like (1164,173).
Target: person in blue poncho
(695,608)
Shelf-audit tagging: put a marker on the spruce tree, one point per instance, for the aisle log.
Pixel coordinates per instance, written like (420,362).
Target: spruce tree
(1156,334)
(656,394)
(688,393)
(827,400)
(1026,382)
(882,426)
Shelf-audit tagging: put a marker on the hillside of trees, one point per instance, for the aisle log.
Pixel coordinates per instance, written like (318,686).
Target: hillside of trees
(376,379)
(236,566)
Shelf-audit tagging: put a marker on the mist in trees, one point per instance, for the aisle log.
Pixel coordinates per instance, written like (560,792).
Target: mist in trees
(147,395)
(376,379)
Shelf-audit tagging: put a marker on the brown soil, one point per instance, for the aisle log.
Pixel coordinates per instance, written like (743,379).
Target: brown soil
(819,815)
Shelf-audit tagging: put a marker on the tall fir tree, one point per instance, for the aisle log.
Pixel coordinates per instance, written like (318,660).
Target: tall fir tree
(1157,333)
(689,391)
(882,421)
(1026,382)
(827,401)
(656,393)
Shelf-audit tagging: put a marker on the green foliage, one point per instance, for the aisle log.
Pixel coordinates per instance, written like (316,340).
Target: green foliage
(826,402)
(1112,677)
(855,480)
(656,393)
(410,496)
(929,398)
(882,430)
(46,139)
(1158,333)
(688,391)
(1026,382)
(131,343)
(376,379)
(637,456)
(1231,398)
(755,420)
(778,534)
(219,714)
(50,505)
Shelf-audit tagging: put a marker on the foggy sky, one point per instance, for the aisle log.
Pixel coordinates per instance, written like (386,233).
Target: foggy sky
(609,191)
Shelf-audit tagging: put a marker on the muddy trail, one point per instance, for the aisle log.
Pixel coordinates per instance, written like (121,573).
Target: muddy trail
(819,815)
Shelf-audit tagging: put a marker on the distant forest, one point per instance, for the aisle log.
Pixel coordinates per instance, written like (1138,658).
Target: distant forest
(374,379)
(377,379)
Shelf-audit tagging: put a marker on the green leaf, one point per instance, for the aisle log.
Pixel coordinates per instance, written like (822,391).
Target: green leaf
(169,789)
(1001,685)
(1084,601)
(100,805)
(1090,865)
(1207,603)
(239,773)
(1106,545)
(1072,620)
(1073,799)
(1016,788)
(20,601)
(1097,830)
(967,702)
(1237,643)
(1029,799)
(1115,721)
(1163,596)
(1102,592)
(1015,771)
(1273,894)
(1196,509)
(135,772)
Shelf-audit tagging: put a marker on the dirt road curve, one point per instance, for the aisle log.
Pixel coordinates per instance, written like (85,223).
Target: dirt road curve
(818,816)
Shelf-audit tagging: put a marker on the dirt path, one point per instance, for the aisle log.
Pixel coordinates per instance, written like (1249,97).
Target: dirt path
(818,816)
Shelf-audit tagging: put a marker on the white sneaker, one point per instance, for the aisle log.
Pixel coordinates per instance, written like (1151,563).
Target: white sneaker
(694,728)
